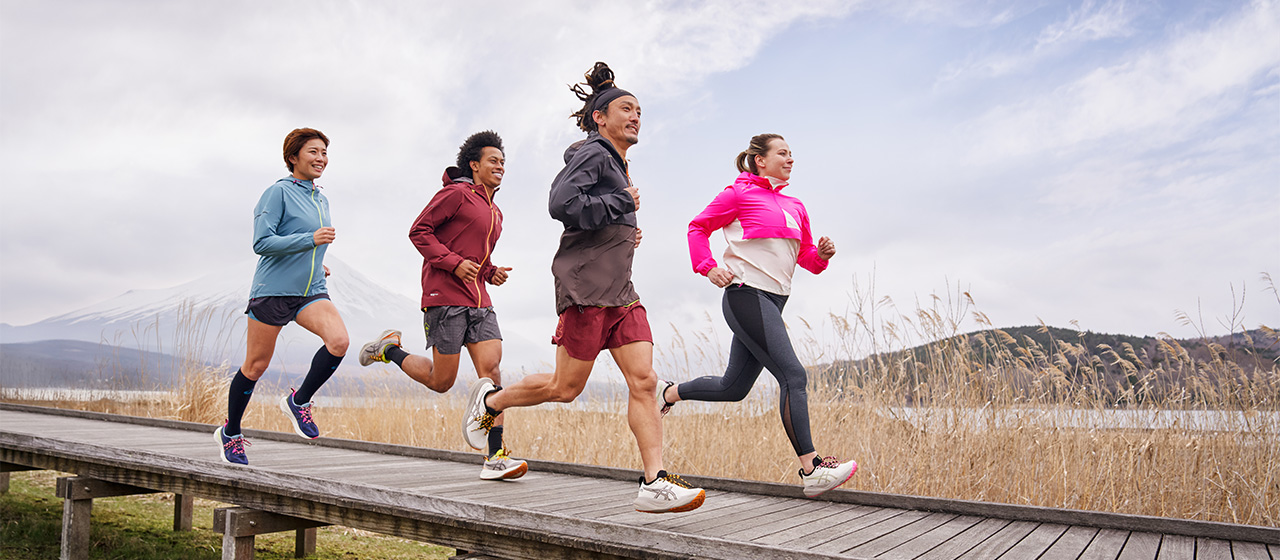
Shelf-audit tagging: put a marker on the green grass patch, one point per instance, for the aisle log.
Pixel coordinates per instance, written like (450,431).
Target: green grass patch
(141,528)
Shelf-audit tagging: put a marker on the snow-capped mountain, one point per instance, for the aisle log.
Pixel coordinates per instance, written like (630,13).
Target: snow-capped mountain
(206,316)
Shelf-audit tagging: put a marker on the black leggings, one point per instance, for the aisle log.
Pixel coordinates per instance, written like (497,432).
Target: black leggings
(759,341)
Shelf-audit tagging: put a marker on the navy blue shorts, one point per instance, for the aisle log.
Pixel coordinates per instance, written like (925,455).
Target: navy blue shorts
(277,311)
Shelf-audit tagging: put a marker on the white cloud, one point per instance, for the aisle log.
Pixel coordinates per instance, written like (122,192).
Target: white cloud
(1155,98)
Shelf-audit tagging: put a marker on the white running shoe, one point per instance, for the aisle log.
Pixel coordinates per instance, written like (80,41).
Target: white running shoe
(502,467)
(668,494)
(663,406)
(829,474)
(476,421)
(375,351)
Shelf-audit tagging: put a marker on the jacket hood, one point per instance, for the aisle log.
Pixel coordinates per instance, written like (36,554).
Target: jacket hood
(596,138)
(749,178)
(453,176)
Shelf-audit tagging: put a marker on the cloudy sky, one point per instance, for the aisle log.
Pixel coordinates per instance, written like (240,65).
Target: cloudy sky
(1103,163)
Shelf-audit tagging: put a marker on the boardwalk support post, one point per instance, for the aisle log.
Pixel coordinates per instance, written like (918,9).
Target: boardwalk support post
(77,495)
(5,469)
(183,505)
(239,525)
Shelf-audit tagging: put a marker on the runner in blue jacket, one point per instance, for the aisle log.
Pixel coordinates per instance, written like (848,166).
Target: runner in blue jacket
(291,229)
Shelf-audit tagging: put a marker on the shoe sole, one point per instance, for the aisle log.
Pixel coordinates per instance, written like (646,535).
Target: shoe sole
(508,475)
(372,348)
(217,436)
(693,504)
(846,479)
(284,407)
(466,419)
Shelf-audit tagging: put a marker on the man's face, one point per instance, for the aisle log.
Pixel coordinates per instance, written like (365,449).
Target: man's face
(488,171)
(621,124)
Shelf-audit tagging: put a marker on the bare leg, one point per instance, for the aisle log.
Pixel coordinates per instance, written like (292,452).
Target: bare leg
(419,368)
(322,318)
(564,385)
(259,346)
(636,362)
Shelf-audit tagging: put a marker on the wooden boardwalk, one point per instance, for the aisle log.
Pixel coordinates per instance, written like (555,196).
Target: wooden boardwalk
(562,510)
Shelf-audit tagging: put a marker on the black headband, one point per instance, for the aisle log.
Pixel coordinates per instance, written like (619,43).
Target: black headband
(604,98)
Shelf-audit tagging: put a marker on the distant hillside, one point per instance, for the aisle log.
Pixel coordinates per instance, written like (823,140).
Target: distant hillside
(83,365)
(1117,360)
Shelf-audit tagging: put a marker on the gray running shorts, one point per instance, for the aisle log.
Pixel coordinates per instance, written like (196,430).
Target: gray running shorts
(449,327)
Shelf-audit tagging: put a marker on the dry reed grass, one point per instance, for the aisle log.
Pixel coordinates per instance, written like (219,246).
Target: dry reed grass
(995,421)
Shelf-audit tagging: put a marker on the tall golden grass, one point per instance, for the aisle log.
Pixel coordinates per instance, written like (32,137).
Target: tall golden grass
(968,416)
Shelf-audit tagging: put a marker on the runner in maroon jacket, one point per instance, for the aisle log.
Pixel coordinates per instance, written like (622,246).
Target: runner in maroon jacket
(456,234)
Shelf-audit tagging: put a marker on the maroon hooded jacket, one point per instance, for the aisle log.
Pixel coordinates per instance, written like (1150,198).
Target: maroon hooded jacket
(460,222)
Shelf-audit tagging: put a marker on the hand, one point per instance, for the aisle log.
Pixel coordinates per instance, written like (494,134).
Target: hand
(635,195)
(639,235)
(324,235)
(326,270)
(467,271)
(826,248)
(720,277)
(499,276)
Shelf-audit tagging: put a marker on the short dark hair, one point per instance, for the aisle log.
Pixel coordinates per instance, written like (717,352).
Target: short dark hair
(598,78)
(474,146)
(298,138)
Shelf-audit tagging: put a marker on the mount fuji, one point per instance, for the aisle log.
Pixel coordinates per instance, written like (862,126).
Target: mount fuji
(204,319)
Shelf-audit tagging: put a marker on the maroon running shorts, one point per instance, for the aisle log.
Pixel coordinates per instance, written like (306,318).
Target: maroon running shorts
(584,331)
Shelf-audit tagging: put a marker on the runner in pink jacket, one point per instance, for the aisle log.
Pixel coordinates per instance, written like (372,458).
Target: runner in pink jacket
(768,235)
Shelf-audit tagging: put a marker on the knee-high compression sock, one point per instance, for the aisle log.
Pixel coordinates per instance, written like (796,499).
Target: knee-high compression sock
(237,401)
(322,366)
(495,439)
(396,354)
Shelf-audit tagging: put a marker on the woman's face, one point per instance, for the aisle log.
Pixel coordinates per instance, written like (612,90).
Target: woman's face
(776,161)
(310,161)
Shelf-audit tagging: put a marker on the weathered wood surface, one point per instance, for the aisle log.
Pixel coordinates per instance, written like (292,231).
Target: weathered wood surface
(564,510)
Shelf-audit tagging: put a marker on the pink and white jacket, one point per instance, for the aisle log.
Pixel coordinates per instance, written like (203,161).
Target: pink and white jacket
(767,231)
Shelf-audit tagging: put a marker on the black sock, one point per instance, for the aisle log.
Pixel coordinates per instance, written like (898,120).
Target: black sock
(817,460)
(491,411)
(322,366)
(495,440)
(396,354)
(237,400)
(661,474)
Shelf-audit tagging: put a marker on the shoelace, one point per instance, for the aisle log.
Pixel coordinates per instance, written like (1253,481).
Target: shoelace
(236,445)
(829,462)
(486,420)
(676,480)
(304,412)
(500,455)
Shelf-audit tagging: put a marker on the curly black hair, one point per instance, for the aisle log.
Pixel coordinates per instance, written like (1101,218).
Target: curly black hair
(599,78)
(470,150)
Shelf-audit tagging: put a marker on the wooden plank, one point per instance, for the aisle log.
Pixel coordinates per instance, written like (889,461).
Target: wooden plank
(1106,545)
(932,539)
(752,533)
(10,467)
(1037,542)
(999,543)
(798,509)
(1212,549)
(1071,545)
(965,541)
(1274,549)
(885,543)
(1249,551)
(83,488)
(4,483)
(799,532)
(243,522)
(855,538)
(745,519)
(1177,547)
(1140,546)
(818,537)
